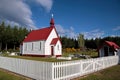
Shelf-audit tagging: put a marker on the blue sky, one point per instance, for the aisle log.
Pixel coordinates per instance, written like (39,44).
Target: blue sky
(93,18)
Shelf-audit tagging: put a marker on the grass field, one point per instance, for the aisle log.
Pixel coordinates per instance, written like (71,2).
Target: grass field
(112,73)
(46,59)
(91,53)
(5,75)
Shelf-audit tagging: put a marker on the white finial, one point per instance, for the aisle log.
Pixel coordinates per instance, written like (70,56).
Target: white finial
(31,29)
(52,15)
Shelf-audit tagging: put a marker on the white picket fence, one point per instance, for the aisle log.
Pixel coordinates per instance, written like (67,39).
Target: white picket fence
(56,70)
(72,69)
(33,69)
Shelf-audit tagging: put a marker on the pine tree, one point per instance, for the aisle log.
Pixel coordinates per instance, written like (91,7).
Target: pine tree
(2,28)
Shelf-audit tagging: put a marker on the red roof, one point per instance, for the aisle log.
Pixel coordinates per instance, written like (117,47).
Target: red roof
(41,34)
(54,41)
(112,44)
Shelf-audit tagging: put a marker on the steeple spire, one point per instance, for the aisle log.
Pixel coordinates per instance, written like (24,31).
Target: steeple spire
(52,21)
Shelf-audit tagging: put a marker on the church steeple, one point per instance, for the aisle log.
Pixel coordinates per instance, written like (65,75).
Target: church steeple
(52,22)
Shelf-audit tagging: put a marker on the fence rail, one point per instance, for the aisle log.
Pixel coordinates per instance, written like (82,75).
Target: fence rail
(56,70)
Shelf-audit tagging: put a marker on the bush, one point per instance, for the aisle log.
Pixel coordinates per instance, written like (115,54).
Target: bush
(70,50)
(4,54)
(90,52)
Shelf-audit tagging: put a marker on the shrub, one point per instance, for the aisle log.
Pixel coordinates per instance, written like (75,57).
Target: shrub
(71,50)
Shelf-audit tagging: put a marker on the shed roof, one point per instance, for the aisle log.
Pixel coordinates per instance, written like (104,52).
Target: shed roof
(112,44)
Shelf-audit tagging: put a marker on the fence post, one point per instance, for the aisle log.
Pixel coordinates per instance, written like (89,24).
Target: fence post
(118,59)
(94,69)
(52,71)
(81,67)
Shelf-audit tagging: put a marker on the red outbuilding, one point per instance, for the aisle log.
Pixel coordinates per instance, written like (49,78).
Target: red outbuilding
(108,48)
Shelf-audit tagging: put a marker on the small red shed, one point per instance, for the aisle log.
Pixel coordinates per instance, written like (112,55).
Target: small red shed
(108,48)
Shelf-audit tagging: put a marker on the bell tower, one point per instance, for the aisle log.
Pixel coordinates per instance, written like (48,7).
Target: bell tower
(52,21)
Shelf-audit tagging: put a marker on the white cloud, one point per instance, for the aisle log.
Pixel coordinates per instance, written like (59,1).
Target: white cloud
(12,23)
(70,32)
(66,32)
(60,29)
(117,28)
(47,4)
(18,12)
(93,34)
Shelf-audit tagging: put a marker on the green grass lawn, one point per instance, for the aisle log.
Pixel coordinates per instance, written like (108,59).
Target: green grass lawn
(5,75)
(46,59)
(91,53)
(112,73)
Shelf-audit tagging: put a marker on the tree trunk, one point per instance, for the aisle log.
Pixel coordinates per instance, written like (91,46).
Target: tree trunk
(6,47)
(0,46)
(14,46)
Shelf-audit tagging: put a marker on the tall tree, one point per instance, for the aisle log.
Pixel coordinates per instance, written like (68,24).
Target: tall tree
(2,28)
(97,41)
(7,36)
(81,41)
(90,43)
(22,32)
(15,36)
(10,37)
